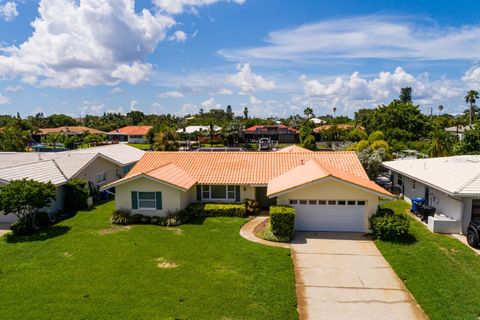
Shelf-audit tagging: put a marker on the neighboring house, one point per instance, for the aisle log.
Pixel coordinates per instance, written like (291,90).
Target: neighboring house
(71,131)
(98,166)
(318,121)
(449,184)
(280,133)
(130,134)
(459,131)
(198,129)
(293,148)
(330,190)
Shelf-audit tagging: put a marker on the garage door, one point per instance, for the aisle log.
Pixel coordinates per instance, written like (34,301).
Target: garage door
(329,215)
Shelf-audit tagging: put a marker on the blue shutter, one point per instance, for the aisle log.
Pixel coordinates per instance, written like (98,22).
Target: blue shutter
(158,197)
(134,200)
(199,193)
(237,193)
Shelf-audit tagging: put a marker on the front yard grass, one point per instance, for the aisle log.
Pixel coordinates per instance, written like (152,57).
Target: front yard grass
(441,272)
(86,268)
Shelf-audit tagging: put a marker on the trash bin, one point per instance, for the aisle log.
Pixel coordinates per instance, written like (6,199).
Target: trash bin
(417,203)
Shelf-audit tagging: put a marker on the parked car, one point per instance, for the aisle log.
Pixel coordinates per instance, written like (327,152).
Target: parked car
(473,233)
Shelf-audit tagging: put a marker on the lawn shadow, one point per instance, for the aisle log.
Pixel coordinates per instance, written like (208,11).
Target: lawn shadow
(407,240)
(196,221)
(45,234)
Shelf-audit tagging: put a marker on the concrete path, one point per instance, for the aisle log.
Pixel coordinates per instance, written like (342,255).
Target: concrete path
(462,238)
(344,276)
(252,227)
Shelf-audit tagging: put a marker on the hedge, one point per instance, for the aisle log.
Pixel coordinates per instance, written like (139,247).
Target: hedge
(282,221)
(388,225)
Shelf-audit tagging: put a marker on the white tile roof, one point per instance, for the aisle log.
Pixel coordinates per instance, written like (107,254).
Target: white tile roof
(42,171)
(192,129)
(60,166)
(459,175)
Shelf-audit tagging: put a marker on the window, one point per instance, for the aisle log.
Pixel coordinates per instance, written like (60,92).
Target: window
(147,200)
(293,201)
(218,192)
(136,137)
(360,203)
(341,202)
(332,202)
(322,202)
(351,203)
(101,177)
(400,180)
(302,201)
(312,202)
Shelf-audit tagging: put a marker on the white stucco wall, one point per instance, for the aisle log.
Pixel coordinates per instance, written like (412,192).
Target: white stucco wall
(333,190)
(113,172)
(131,139)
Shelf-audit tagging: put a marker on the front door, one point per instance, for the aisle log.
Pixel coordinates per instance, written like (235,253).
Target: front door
(261,197)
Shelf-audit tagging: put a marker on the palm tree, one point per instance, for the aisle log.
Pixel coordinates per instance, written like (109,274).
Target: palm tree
(471,98)
(440,144)
(334,111)
(440,109)
(308,112)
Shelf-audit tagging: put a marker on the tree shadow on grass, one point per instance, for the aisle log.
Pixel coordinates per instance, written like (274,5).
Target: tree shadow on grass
(196,221)
(407,240)
(45,234)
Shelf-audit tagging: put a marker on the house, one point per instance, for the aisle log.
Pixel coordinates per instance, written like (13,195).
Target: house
(197,129)
(330,190)
(130,134)
(280,133)
(98,166)
(459,131)
(449,184)
(318,121)
(66,130)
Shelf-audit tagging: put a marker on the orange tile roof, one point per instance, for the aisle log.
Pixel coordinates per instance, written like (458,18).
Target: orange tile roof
(293,148)
(244,167)
(314,170)
(172,174)
(73,130)
(133,130)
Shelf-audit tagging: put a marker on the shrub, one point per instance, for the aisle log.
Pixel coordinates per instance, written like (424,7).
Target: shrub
(282,220)
(76,195)
(309,143)
(362,144)
(121,216)
(388,225)
(251,207)
(42,220)
(22,228)
(224,210)
(380,144)
(375,136)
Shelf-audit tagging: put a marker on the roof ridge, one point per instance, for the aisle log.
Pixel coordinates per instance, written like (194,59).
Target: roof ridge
(58,167)
(468,182)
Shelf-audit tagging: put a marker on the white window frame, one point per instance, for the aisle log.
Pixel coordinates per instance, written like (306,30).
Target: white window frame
(230,193)
(154,200)
(100,174)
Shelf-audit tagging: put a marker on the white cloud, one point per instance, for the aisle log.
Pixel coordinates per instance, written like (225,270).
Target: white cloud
(224,91)
(355,91)
(255,100)
(14,89)
(179,6)
(156,108)
(134,105)
(248,81)
(188,108)
(90,42)
(472,77)
(210,104)
(116,90)
(179,36)
(4,100)
(376,36)
(8,11)
(171,94)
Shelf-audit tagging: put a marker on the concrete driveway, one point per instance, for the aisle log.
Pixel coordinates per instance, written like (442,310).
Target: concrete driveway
(344,276)
(4,228)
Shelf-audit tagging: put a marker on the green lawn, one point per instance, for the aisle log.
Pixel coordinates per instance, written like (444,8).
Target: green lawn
(141,146)
(85,268)
(441,272)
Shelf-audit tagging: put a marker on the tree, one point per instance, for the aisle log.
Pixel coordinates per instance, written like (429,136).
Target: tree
(245,113)
(13,138)
(306,129)
(309,143)
(440,144)
(24,198)
(229,112)
(334,111)
(371,161)
(405,95)
(135,117)
(166,141)
(234,131)
(53,138)
(471,141)
(76,195)
(308,112)
(440,109)
(471,99)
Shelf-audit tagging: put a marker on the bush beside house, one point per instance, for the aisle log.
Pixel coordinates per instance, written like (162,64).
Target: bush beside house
(282,221)
(76,195)
(388,225)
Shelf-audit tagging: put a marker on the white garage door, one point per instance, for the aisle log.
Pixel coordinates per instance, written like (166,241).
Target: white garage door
(329,215)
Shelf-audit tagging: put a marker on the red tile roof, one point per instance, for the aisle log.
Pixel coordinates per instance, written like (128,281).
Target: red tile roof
(71,130)
(133,130)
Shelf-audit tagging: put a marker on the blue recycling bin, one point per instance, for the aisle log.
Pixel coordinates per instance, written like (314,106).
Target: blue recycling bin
(417,203)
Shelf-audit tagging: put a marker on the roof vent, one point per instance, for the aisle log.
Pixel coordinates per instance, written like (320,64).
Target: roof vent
(302,162)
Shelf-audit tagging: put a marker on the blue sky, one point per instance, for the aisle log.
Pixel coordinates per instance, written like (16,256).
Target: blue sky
(275,57)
